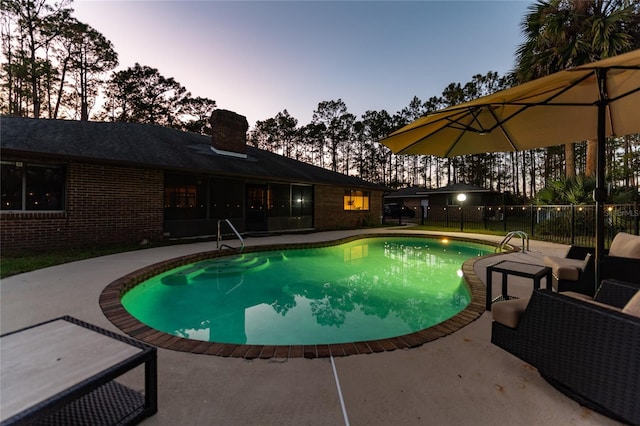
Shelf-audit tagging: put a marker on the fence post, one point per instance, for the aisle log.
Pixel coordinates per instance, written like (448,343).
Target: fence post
(532,222)
(573,224)
(637,216)
(504,217)
(484,216)
(446,209)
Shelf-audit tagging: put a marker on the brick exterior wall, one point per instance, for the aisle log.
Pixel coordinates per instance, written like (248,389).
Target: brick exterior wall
(329,210)
(104,205)
(107,204)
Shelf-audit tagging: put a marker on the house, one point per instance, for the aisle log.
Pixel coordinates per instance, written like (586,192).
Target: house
(416,197)
(73,183)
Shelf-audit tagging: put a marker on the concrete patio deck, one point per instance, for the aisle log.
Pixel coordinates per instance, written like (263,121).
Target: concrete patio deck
(458,379)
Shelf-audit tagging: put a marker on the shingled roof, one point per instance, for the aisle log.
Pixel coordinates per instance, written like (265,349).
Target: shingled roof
(152,146)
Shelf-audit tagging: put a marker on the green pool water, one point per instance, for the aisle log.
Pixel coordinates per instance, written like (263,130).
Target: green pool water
(367,289)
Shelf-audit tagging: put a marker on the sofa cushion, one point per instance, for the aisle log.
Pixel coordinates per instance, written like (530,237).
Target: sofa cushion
(577,295)
(625,245)
(588,299)
(633,306)
(509,312)
(564,268)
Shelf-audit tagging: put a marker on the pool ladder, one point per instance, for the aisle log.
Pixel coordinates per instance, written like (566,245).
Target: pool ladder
(521,234)
(235,231)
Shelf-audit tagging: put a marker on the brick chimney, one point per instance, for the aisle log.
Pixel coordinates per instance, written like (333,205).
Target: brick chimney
(229,133)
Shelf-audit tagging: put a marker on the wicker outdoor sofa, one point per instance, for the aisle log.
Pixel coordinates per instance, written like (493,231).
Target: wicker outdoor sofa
(587,348)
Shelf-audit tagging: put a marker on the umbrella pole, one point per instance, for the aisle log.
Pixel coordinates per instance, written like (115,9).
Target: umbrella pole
(600,193)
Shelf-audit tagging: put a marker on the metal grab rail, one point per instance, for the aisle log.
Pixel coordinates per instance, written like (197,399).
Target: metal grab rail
(235,231)
(523,235)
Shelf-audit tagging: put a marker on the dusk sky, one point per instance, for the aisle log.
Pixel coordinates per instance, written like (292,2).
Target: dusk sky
(258,58)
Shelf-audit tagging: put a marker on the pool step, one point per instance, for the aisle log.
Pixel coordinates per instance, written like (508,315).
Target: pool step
(221,267)
(180,277)
(225,269)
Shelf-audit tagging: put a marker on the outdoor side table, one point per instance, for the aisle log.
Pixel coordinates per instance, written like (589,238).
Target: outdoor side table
(62,372)
(519,269)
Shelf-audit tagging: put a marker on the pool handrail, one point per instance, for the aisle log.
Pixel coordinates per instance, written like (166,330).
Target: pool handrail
(235,231)
(523,235)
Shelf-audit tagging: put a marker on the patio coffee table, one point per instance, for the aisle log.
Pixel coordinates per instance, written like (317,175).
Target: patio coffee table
(519,269)
(62,372)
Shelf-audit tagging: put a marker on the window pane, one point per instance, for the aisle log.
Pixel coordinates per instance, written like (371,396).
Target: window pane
(226,198)
(302,200)
(256,197)
(279,200)
(11,187)
(45,187)
(356,200)
(348,201)
(185,197)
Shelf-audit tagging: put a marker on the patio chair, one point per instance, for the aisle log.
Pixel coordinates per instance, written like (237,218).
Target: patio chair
(622,260)
(586,348)
(575,272)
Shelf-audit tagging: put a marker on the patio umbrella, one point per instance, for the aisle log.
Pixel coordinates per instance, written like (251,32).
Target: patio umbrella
(592,101)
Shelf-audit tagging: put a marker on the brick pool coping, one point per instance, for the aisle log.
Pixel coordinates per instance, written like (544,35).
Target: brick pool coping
(110,303)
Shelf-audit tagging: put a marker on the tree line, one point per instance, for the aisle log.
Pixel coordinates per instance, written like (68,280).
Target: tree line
(57,67)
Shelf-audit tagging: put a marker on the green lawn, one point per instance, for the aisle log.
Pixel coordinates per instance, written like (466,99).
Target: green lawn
(25,262)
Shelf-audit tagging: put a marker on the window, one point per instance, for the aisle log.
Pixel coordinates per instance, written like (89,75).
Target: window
(301,200)
(32,187)
(189,197)
(279,200)
(185,197)
(226,198)
(290,200)
(356,200)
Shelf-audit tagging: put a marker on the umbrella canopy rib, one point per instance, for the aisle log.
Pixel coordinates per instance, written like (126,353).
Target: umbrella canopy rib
(624,95)
(503,130)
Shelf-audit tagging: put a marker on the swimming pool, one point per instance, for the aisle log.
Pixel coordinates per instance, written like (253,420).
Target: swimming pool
(361,290)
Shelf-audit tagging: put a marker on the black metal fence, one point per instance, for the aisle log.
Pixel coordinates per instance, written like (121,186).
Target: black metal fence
(566,224)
